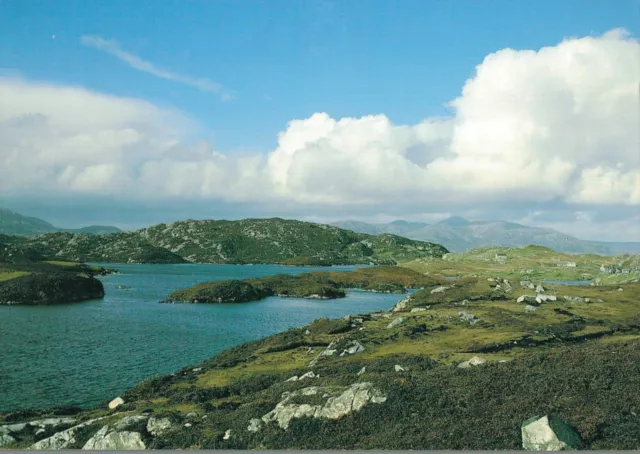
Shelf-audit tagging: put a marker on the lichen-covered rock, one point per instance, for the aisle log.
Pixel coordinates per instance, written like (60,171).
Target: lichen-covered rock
(475,361)
(107,439)
(158,426)
(336,406)
(548,434)
(254,425)
(6,440)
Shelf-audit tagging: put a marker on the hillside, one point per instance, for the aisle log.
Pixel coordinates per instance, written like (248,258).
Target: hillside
(458,235)
(12,223)
(237,242)
(458,366)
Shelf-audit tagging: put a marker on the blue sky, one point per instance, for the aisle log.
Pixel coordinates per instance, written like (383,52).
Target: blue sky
(288,59)
(132,112)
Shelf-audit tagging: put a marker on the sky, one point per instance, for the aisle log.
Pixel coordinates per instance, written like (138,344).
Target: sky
(134,113)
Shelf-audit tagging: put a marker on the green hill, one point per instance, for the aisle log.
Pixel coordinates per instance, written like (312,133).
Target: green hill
(12,223)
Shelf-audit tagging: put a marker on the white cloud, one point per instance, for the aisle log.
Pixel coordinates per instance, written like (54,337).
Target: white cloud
(557,125)
(112,47)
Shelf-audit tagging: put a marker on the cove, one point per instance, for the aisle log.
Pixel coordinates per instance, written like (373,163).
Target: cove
(83,354)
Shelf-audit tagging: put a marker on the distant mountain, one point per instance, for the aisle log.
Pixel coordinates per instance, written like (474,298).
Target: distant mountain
(12,223)
(274,240)
(459,235)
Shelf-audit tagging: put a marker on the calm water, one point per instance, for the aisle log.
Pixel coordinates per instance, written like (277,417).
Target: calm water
(85,353)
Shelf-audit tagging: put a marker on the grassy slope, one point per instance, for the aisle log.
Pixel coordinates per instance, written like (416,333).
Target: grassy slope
(580,361)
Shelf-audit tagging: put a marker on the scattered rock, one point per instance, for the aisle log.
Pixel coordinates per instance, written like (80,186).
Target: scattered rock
(192,415)
(61,440)
(158,426)
(188,424)
(399,368)
(440,289)
(530,308)
(227,435)
(307,332)
(401,305)
(254,425)
(540,288)
(6,440)
(351,399)
(107,439)
(396,322)
(620,289)
(115,403)
(356,347)
(129,421)
(197,369)
(418,309)
(362,371)
(467,317)
(330,350)
(548,434)
(574,299)
(475,361)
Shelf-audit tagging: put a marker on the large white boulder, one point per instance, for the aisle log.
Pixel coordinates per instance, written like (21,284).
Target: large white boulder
(548,434)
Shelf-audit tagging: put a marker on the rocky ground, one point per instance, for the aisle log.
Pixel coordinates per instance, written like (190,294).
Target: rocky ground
(476,363)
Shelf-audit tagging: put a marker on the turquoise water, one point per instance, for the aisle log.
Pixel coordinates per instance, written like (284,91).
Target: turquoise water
(85,353)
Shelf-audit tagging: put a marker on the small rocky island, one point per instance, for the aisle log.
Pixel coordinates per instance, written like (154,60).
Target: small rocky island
(318,285)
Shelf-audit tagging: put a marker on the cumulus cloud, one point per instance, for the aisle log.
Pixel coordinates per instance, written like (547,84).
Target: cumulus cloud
(558,125)
(112,47)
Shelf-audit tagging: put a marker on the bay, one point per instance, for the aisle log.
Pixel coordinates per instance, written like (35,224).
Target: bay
(86,353)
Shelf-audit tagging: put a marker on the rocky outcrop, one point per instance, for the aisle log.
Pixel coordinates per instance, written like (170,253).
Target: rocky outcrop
(475,361)
(158,426)
(110,439)
(548,434)
(397,322)
(336,406)
(64,439)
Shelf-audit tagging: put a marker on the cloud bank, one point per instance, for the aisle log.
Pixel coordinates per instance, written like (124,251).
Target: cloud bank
(112,47)
(556,126)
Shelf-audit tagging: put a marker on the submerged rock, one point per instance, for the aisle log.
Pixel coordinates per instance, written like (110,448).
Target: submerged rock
(548,434)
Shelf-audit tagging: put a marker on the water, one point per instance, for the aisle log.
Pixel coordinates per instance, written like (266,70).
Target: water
(85,353)
(578,283)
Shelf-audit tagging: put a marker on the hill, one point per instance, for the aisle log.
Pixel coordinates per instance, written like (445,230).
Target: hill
(237,242)
(459,235)
(12,223)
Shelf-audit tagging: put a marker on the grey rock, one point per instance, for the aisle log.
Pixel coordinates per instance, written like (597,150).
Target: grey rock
(362,371)
(440,289)
(351,399)
(115,403)
(475,361)
(107,439)
(401,305)
(548,434)
(6,440)
(227,434)
(399,368)
(574,299)
(61,440)
(158,426)
(129,421)
(255,425)
(530,308)
(356,347)
(418,309)
(192,415)
(398,321)
(540,289)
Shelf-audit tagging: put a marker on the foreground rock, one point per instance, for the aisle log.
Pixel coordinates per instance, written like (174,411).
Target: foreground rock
(64,439)
(475,361)
(109,439)
(352,399)
(548,434)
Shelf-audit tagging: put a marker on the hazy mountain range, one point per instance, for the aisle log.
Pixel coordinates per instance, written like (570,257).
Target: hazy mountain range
(12,223)
(458,235)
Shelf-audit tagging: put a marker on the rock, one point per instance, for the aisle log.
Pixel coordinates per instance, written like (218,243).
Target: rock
(158,426)
(6,440)
(418,309)
(525,283)
(440,289)
(396,322)
(356,347)
(106,439)
(548,434)
(351,399)
(507,287)
(362,371)
(115,403)
(294,378)
(330,350)
(620,289)
(307,332)
(309,374)
(192,415)
(475,361)
(255,425)
(530,308)
(531,286)
(399,368)
(197,369)
(574,299)
(401,305)
(227,435)
(61,440)
(540,288)
(188,424)
(467,317)
(40,431)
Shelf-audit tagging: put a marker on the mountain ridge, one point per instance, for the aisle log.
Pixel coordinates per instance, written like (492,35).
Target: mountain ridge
(14,223)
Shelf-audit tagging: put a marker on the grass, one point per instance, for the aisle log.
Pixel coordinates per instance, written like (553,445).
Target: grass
(5,276)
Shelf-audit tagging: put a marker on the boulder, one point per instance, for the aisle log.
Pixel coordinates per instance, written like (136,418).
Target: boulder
(349,400)
(254,425)
(115,403)
(475,361)
(398,321)
(548,434)
(6,440)
(399,368)
(574,299)
(362,371)
(158,426)
(530,308)
(107,439)
(440,289)
(61,440)
(540,289)
(129,421)
(356,347)
(401,305)
(227,435)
